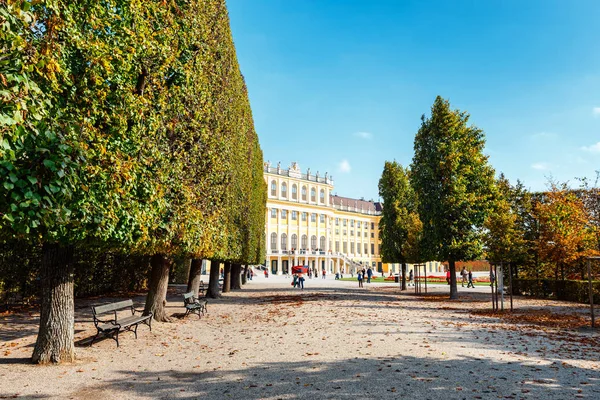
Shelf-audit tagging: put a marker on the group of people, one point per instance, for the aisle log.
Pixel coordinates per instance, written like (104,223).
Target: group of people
(466,277)
(298,280)
(368,273)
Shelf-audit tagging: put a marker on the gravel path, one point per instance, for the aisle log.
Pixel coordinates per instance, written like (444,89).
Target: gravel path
(331,340)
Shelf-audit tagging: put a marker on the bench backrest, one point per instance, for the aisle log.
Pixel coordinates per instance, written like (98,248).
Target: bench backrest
(106,308)
(188,295)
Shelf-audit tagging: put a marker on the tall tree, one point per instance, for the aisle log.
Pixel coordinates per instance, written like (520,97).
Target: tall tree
(454,184)
(399,225)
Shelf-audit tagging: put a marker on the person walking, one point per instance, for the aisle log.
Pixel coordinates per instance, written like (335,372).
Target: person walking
(266,273)
(448,276)
(411,278)
(323,273)
(369,275)
(470,284)
(463,274)
(359,276)
(295,280)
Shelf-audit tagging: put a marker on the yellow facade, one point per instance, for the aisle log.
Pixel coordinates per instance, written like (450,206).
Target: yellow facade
(307,225)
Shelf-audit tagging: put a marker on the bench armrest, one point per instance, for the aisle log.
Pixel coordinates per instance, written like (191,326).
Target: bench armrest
(135,310)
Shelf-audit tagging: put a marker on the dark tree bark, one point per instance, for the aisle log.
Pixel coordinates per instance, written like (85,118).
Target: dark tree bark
(226,277)
(213,283)
(236,279)
(403,287)
(453,289)
(157,290)
(195,275)
(55,337)
(245,275)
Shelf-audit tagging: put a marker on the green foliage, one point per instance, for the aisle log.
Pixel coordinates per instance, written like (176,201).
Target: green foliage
(454,183)
(504,241)
(399,227)
(126,125)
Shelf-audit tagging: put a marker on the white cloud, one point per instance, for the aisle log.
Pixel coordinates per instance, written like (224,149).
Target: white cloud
(541,166)
(596,111)
(364,135)
(595,148)
(344,167)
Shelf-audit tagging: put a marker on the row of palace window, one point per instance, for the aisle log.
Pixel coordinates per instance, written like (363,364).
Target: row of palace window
(313,218)
(303,215)
(358,224)
(344,232)
(313,244)
(303,191)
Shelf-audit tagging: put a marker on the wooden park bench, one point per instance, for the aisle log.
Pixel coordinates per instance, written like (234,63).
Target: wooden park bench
(194,305)
(111,322)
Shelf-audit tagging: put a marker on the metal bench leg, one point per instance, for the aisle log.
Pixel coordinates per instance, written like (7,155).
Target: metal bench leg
(94,338)
(116,337)
(135,331)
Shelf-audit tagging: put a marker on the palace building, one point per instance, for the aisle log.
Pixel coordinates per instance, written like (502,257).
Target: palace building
(308,225)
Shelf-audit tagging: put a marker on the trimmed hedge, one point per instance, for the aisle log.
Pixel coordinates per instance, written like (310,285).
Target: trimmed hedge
(568,290)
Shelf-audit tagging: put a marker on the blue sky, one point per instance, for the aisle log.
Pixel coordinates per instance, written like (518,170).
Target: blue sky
(340,85)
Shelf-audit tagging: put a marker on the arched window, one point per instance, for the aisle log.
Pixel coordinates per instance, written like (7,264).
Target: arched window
(304,242)
(284,190)
(273,241)
(322,243)
(304,193)
(313,242)
(313,194)
(273,188)
(322,196)
(294,192)
(283,241)
(294,241)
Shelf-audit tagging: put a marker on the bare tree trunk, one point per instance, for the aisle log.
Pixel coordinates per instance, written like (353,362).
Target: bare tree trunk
(213,283)
(236,281)
(195,275)
(226,277)
(453,288)
(245,275)
(55,337)
(403,287)
(157,290)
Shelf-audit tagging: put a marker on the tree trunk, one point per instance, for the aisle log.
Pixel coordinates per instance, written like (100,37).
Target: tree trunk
(236,281)
(403,287)
(245,275)
(453,289)
(226,277)
(213,283)
(195,275)
(157,290)
(56,332)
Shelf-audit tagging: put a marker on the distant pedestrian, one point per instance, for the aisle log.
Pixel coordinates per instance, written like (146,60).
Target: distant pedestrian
(295,280)
(492,277)
(266,273)
(448,276)
(251,273)
(359,276)
(369,275)
(463,274)
(470,284)
(301,281)
(411,278)
(323,273)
